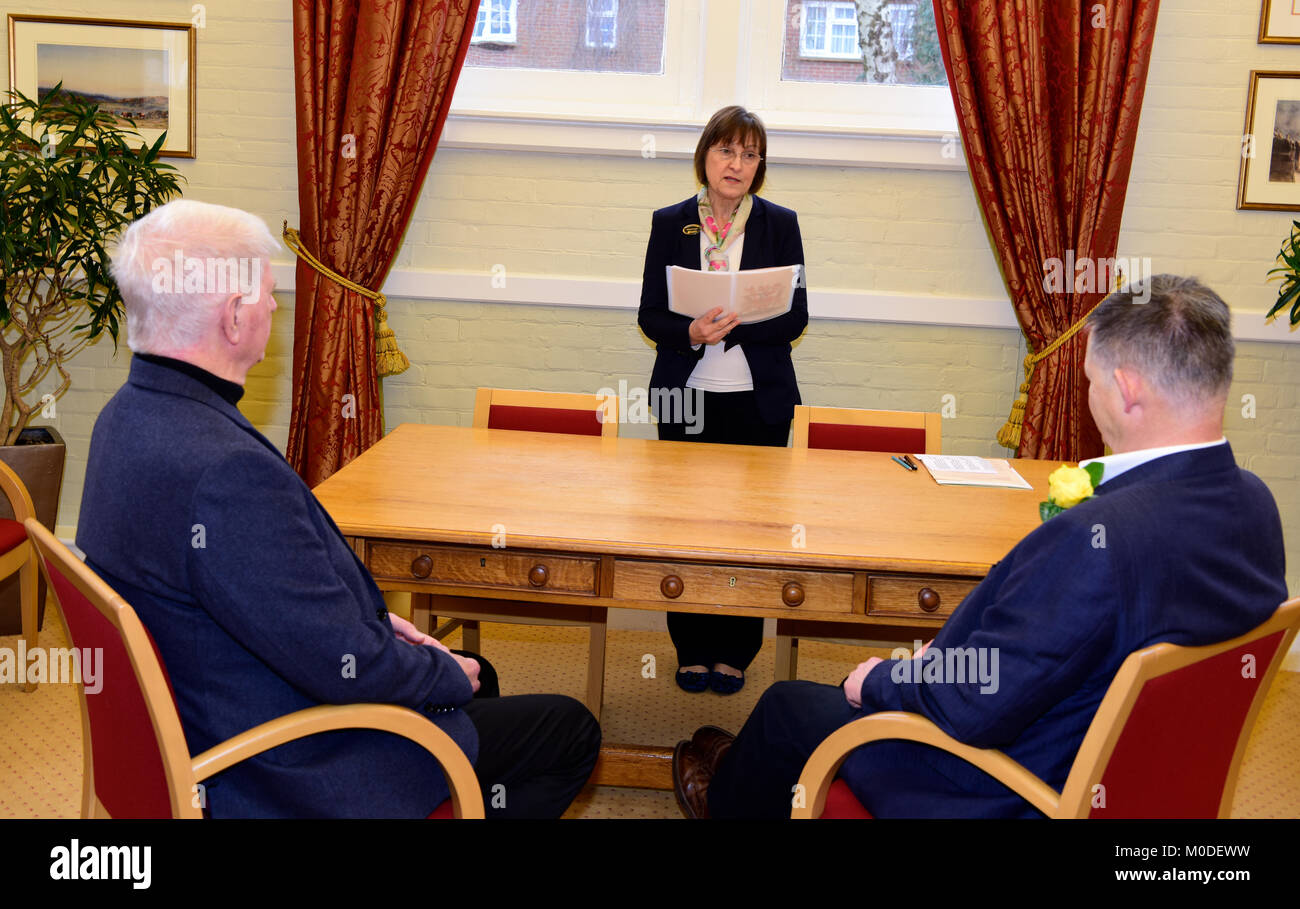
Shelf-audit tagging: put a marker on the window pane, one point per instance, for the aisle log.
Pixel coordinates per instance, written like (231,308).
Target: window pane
(609,36)
(900,42)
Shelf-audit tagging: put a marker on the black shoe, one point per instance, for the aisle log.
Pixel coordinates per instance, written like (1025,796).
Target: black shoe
(726,684)
(694,682)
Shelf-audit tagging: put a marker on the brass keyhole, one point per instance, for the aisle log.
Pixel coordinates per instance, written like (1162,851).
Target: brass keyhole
(482,563)
(731,583)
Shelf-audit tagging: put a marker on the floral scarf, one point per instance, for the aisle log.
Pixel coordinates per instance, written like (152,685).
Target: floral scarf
(721,237)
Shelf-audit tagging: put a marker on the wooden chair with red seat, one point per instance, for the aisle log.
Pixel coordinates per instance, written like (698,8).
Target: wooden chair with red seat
(531,411)
(17,555)
(849,429)
(137,764)
(1166,741)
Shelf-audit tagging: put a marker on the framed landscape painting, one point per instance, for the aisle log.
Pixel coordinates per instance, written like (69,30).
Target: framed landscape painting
(138,71)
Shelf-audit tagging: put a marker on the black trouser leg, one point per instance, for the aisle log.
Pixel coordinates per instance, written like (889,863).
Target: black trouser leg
(756,777)
(704,640)
(488,685)
(535,753)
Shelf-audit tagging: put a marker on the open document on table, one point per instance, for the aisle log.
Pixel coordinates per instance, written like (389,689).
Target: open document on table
(756,294)
(968,470)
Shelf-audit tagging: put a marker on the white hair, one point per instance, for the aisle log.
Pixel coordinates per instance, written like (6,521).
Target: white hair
(170,307)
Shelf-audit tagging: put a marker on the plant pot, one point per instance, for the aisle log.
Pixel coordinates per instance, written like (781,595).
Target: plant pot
(38,460)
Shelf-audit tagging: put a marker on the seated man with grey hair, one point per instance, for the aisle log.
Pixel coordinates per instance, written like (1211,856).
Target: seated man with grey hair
(1178,544)
(258,605)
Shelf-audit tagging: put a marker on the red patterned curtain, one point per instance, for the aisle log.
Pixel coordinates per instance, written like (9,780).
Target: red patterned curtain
(1048,94)
(374,83)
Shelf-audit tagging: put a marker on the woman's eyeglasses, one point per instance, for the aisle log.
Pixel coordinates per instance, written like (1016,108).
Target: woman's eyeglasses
(728,154)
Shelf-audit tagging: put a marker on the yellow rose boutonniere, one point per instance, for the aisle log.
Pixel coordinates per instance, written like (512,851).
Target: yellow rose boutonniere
(1068,486)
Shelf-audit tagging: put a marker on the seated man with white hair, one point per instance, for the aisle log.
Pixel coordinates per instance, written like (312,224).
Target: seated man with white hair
(258,605)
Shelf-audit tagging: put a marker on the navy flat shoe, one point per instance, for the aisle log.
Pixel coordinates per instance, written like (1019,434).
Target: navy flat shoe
(725,684)
(694,682)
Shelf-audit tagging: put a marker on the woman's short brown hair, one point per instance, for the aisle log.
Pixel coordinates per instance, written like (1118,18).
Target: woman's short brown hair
(728,125)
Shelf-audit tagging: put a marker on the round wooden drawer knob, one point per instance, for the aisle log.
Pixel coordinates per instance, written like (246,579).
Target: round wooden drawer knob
(422,566)
(538,576)
(927,599)
(671,586)
(792,594)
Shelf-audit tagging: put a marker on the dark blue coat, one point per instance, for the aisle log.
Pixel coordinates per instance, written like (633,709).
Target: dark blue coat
(1186,548)
(771,239)
(258,605)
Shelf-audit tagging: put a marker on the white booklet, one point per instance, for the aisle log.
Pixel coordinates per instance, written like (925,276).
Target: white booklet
(756,294)
(969,470)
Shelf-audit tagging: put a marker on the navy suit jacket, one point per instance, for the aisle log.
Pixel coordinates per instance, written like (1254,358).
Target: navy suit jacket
(258,605)
(1186,548)
(771,238)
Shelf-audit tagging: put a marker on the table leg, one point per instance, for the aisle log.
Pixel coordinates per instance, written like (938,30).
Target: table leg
(596,666)
(787,657)
(421,616)
(469,636)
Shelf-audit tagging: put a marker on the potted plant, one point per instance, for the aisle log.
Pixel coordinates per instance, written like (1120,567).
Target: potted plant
(1289,292)
(71,177)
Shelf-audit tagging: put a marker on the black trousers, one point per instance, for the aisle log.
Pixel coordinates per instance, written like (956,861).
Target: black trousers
(535,751)
(757,776)
(705,640)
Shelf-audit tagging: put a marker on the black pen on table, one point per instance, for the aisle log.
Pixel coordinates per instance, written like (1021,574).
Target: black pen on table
(901,463)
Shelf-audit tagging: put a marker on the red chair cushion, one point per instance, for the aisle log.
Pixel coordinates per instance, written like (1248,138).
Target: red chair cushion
(128,765)
(1172,758)
(843,437)
(544,419)
(442,813)
(842,804)
(11,534)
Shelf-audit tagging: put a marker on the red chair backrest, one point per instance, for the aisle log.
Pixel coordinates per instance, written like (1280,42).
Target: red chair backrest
(846,437)
(1173,756)
(128,766)
(545,419)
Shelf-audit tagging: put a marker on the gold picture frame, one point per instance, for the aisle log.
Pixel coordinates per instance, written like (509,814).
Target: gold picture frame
(1279,22)
(134,69)
(1269,176)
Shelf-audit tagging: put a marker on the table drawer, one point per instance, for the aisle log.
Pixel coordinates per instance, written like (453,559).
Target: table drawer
(484,567)
(915,597)
(729,585)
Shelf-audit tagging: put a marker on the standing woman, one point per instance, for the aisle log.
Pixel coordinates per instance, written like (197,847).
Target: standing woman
(743,372)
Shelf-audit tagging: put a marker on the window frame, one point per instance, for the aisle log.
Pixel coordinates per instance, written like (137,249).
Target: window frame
(485,12)
(638,115)
(828,31)
(597,18)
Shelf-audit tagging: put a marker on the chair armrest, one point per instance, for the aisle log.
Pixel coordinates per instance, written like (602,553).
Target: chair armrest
(466,797)
(823,764)
(14,490)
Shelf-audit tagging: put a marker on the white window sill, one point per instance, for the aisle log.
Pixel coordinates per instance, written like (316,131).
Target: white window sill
(567,134)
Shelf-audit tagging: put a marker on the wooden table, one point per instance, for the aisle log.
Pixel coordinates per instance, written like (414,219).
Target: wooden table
(503,525)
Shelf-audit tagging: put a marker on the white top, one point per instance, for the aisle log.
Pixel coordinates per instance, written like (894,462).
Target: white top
(720,369)
(1117,464)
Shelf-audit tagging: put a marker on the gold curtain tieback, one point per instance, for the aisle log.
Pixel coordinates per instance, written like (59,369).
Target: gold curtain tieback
(1009,435)
(389,359)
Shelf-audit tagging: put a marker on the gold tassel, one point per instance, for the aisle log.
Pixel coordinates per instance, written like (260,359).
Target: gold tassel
(1009,434)
(389,359)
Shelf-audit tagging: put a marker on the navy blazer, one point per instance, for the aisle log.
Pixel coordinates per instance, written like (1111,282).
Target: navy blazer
(771,238)
(1186,548)
(258,606)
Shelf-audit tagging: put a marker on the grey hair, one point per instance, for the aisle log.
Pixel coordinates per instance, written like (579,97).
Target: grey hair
(1180,340)
(169,308)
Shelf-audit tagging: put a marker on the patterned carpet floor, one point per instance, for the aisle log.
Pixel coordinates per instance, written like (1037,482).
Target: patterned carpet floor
(40,732)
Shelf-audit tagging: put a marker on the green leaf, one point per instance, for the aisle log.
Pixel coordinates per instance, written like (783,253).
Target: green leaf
(1095,470)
